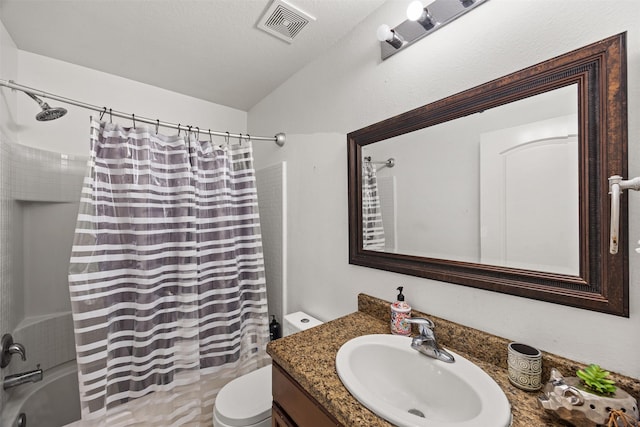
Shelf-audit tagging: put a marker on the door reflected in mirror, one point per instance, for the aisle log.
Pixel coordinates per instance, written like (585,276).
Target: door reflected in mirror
(496,174)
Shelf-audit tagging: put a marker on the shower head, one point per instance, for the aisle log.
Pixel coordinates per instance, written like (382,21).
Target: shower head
(47,113)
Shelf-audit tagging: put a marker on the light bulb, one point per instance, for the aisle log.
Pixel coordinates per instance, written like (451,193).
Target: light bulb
(415,10)
(384,33)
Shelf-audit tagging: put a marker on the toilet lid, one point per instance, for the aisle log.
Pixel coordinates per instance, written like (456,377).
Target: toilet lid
(245,400)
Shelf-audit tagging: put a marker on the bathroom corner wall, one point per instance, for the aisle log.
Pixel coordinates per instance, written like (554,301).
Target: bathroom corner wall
(349,87)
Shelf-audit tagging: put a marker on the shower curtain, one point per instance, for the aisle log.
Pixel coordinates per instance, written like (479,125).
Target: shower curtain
(372,227)
(166,276)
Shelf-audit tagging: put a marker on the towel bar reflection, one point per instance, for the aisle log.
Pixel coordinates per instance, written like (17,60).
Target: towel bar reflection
(616,186)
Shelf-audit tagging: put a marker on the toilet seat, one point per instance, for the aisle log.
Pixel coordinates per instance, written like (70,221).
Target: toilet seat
(245,401)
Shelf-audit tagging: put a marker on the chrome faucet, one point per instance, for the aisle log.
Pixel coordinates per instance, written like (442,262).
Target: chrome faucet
(426,342)
(21,378)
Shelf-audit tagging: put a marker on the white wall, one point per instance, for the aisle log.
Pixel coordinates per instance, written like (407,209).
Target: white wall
(349,87)
(97,88)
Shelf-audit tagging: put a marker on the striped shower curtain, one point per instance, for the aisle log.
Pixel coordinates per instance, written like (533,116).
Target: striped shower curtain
(166,277)
(372,227)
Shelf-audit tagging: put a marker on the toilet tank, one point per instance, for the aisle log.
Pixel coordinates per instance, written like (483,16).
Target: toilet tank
(299,321)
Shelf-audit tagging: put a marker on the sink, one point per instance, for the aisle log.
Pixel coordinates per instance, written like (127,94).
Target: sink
(407,388)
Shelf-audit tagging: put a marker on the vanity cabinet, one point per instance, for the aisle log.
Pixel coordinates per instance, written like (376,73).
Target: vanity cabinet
(293,406)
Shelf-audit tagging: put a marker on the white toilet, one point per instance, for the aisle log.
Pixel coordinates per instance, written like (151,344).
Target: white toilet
(246,401)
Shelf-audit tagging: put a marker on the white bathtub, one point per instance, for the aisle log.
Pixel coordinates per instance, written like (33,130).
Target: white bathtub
(52,402)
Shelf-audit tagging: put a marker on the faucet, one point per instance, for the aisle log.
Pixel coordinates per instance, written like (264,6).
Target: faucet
(9,348)
(22,378)
(426,342)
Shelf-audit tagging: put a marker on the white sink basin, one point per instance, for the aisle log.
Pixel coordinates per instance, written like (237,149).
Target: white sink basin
(407,388)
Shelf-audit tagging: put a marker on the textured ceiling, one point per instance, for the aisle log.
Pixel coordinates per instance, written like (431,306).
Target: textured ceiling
(209,49)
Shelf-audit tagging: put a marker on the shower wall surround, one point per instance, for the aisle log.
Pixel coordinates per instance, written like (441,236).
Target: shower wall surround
(10,294)
(40,192)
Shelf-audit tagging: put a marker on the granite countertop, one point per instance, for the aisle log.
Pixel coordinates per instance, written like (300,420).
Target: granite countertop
(309,357)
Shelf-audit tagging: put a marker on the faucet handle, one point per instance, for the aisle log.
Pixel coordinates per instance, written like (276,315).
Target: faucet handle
(425,325)
(17,348)
(9,348)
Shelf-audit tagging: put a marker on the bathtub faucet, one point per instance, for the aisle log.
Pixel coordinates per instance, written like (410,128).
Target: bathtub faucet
(22,378)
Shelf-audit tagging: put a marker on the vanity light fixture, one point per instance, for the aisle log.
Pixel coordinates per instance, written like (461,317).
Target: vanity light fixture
(423,18)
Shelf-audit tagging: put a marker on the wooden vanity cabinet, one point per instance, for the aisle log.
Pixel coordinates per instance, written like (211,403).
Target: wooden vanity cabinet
(293,406)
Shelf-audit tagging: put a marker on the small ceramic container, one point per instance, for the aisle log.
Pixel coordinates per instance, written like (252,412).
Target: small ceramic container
(525,366)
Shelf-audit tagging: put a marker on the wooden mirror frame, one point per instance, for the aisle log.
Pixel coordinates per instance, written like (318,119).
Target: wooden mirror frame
(602,284)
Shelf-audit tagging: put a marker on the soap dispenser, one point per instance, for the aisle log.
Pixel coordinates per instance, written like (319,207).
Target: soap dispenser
(400,311)
(275,331)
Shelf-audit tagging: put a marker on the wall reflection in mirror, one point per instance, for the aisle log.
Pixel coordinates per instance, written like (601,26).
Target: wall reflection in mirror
(495,173)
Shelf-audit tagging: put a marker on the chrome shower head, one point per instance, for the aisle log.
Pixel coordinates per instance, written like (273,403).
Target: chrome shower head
(47,113)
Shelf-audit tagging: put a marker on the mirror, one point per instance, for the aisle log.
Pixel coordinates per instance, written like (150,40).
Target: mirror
(503,165)
(503,186)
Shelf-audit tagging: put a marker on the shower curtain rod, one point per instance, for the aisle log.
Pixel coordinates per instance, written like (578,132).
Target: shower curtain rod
(279,138)
(391,162)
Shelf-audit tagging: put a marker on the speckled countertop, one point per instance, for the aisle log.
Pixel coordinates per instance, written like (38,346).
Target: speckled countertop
(309,357)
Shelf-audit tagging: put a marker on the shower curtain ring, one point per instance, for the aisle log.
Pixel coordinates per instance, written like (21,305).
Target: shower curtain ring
(178,129)
(133,117)
(104,110)
(226,139)
(210,137)
(197,133)
(157,125)
(110,116)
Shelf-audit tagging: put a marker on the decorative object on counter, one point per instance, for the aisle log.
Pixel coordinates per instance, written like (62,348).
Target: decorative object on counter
(597,380)
(275,330)
(400,311)
(569,399)
(525,366)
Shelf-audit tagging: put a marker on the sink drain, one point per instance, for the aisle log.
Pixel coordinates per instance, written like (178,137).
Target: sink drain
(416,413)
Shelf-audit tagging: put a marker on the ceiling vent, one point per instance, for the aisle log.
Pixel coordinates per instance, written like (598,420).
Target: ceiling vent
(284,20)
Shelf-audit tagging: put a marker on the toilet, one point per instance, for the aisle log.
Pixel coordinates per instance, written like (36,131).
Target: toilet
(246,401)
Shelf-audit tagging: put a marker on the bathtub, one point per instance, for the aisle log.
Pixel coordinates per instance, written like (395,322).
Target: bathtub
(52,402)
